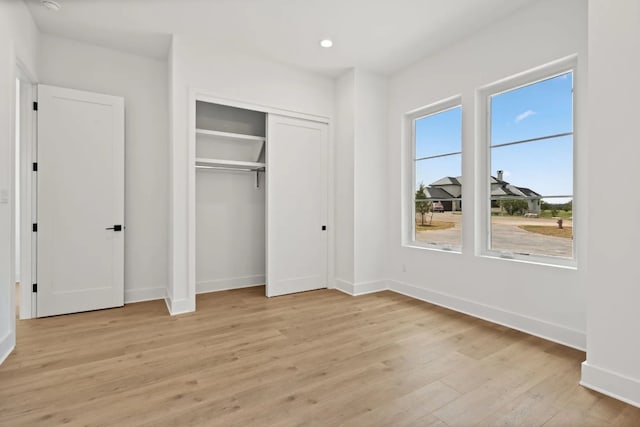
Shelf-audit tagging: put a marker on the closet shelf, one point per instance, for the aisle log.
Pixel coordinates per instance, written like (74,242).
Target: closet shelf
(228,135)
(229,164)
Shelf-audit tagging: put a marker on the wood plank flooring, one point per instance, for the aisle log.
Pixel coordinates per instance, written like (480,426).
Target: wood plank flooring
(318,358)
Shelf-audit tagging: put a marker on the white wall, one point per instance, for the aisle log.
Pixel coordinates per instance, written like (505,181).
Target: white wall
(613,278)
(370,179)
(345,109)
(223,73)
(361,180)
(142,82)
(544,300)
(18,42)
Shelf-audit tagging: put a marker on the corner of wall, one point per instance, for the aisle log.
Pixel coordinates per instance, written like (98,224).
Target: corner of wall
(181,306)
(362,288)
(610,383)
(7,344)
(148,294)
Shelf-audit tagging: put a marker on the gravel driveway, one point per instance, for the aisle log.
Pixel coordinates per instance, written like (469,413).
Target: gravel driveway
(506,235)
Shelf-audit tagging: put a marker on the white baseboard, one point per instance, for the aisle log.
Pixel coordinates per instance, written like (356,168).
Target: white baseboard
(611,383)
(180,306)
(7,344)
(549,331)
(344,286)
(147,294)
(228,284)
(363,288)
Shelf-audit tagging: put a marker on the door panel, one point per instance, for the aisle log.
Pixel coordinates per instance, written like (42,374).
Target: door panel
(80,264)
(296,205)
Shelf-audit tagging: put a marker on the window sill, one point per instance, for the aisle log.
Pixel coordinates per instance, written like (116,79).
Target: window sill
(565,263)
(434,247)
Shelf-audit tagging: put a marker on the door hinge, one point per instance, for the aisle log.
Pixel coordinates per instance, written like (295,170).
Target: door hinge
(34,287)
(35,166)
(35,106)
(324,228)
(34,227)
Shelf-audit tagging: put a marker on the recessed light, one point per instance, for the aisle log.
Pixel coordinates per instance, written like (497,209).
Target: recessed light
(326,43)
(51,5)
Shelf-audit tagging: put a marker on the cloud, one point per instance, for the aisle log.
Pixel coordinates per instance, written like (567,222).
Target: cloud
(528,113)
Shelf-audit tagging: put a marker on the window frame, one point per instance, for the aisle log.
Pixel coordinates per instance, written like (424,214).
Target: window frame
(483,148)
(409,215)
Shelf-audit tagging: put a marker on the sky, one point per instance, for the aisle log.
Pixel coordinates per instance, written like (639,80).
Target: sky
(541,109)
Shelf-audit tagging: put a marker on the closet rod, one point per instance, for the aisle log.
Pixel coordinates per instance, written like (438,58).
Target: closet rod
(229,169)
(256,170)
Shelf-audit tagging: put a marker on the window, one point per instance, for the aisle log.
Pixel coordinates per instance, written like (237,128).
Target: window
(436,213)
(530,139)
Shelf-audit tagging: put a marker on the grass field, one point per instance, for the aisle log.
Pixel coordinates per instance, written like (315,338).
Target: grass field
(566,232)
(435,225)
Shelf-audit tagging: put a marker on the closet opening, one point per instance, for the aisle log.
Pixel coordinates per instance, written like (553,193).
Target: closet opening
(258,197)
(230,197)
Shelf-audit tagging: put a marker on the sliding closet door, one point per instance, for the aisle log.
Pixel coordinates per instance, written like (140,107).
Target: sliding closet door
(296,205)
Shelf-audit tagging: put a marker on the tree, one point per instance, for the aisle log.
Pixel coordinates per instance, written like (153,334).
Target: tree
(422,205)
(545,206)
(514,206)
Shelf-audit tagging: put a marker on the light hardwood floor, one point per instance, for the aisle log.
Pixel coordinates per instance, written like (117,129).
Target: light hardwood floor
(317,358)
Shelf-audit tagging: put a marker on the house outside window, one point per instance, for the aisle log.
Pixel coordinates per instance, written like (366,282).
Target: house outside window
(436,211)
(530,139)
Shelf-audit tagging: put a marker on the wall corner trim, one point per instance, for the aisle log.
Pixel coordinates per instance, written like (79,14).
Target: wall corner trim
(147,294)
(362,288)
(7,344)
(611,383)
(181,306)
(218,285)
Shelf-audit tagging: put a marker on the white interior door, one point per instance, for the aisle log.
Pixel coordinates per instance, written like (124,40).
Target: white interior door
(296,205)
(80,254)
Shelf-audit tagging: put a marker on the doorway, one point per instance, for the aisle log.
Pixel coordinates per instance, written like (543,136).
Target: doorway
(24,153)
(55,255)
(16,189)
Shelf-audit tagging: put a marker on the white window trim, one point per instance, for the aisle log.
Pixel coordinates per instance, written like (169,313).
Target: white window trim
(409,191)
(483,161)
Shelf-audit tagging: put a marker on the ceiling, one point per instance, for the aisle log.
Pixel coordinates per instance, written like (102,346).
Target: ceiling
(378,35)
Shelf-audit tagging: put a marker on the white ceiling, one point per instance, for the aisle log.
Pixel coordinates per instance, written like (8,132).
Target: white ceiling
(378,35)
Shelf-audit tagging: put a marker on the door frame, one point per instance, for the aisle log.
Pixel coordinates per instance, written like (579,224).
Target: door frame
(189,304)
(28,191)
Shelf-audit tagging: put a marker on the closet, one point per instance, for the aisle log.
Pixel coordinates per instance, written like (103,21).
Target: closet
(230,197)
(260,200)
